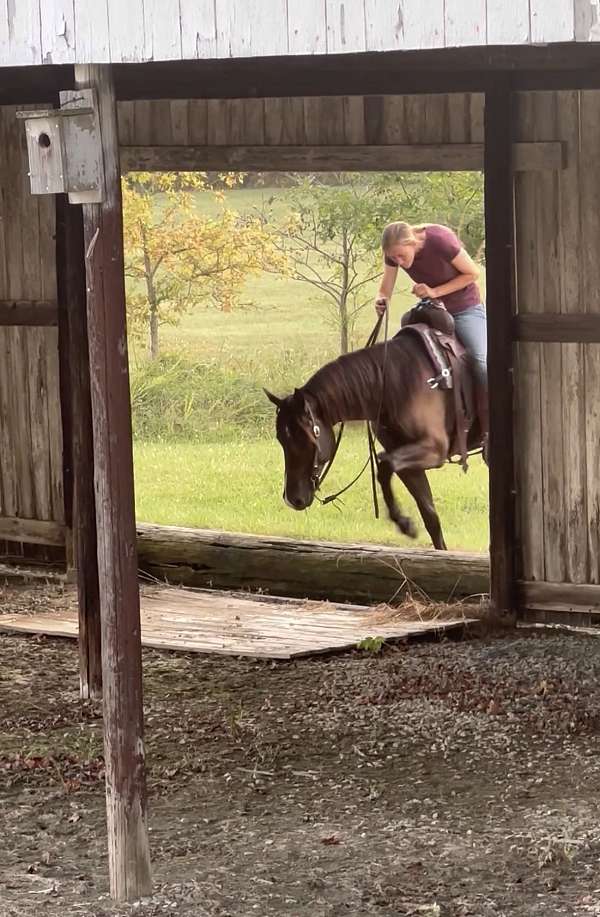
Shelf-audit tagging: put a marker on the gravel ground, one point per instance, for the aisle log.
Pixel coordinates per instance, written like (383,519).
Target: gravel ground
(446,778)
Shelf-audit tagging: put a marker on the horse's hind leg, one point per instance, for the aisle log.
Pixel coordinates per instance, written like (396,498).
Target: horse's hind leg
(414,457)
(418,486)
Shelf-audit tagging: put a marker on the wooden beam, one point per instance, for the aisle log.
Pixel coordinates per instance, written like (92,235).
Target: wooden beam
(306,569)
(32,531)
(129,857)
(34,85)
(560,596)
(499,230)
(473,69)
(567,328)
(351,158)
(77,425)
(38,313)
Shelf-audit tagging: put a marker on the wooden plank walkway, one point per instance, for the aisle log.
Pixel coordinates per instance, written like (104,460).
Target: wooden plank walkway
(241,625)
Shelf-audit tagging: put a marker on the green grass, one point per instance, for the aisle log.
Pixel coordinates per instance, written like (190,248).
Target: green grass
(238,488)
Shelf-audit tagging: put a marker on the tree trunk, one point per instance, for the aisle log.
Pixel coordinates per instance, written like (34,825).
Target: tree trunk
(153,348)
(343,302)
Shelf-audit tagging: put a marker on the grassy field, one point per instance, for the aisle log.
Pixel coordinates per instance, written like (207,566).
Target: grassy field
(226,480)
(237,487)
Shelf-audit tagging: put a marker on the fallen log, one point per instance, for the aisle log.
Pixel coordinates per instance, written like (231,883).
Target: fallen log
(307,569)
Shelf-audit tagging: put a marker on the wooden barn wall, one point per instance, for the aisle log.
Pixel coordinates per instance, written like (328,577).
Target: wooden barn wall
(557,384)
(334,120)
(31,473)
(104,31)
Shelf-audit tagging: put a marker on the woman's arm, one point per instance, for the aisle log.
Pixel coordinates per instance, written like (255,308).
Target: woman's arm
(468,273)
(386,287)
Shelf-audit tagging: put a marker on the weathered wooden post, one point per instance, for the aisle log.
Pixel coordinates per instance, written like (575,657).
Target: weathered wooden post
(77,420)
(499,237)
(129,858)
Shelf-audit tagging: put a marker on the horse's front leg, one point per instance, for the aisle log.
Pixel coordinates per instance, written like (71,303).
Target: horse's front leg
(413,457)
(418,487)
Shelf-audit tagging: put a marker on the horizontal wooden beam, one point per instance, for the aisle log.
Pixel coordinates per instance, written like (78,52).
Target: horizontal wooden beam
(473,69)
(41,312)
(545,327)
(306,569)
(560,596)
(31,531)
(358,158)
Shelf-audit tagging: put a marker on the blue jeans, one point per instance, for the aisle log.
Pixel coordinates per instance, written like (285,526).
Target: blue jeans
(471,330)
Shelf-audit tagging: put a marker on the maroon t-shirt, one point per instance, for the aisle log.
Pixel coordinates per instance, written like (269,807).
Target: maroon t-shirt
(433,266)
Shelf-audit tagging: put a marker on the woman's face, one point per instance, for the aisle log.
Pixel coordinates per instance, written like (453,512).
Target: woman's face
(402,253)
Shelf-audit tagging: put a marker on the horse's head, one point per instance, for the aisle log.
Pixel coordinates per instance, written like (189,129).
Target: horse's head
(307,442)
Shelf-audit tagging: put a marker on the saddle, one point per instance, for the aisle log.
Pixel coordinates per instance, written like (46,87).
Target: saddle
(434,325)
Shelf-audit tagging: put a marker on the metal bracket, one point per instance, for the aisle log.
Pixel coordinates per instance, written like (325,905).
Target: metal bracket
(65,149)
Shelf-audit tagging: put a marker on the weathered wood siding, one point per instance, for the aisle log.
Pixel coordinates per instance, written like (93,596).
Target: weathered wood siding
(101,31)
(31,473)
(558,379)
(332,120)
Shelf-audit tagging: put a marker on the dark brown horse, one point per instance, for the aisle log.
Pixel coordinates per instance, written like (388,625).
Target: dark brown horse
(412,421)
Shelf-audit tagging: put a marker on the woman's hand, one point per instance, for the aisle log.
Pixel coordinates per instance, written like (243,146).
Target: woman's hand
(423,291)
(381,305)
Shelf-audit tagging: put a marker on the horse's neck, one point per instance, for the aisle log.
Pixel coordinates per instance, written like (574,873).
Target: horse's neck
(343,396)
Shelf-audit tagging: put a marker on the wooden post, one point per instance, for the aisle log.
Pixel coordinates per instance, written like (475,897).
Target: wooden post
(77,430)
(129,858)
(499,229)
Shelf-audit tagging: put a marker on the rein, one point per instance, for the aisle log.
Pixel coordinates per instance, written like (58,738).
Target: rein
(372,459)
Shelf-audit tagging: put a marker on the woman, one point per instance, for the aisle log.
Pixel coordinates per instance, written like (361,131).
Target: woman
(435,259)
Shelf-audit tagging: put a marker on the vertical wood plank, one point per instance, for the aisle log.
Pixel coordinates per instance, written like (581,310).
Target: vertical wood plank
(198,121)
(126,31)
(35,345)
(507,29)
(324,120)
(125,121)
(160,122)
(217,121)
(142,122)
(572,355)
(354,119)
(419,30)
(24,32)
(476,116)
(528,426)
(385,25)
(307,26)
(251,28)
(162,30)
(465,22)
(590,232)
(129,858)
(92,40)
(20,423)
(499,232)
(58,32)
(8,465)
(346,27)
(198,29)
(394,127)
(77,409)
(180,122)
(284,121)
(547,240)
(459,117)
(552,21)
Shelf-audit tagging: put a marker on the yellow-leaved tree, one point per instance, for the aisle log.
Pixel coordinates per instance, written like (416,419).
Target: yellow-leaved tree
(178,258)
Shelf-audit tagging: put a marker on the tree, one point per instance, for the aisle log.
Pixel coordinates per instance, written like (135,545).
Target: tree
(176,257)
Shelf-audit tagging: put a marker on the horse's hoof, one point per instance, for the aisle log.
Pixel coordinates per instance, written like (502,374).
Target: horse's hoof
(407,527)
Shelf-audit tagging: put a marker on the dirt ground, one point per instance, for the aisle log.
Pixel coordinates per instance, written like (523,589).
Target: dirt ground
(449,778)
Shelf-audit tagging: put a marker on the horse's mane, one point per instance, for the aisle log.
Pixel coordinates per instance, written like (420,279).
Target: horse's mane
(350,386)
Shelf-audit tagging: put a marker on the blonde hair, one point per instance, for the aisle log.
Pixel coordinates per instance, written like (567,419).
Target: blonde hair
(400,233)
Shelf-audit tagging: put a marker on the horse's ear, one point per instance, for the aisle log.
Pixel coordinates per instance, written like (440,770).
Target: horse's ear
(299,401)
(273,398)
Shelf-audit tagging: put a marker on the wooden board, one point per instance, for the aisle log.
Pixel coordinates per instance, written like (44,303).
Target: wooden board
(86,31)
(238,625)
